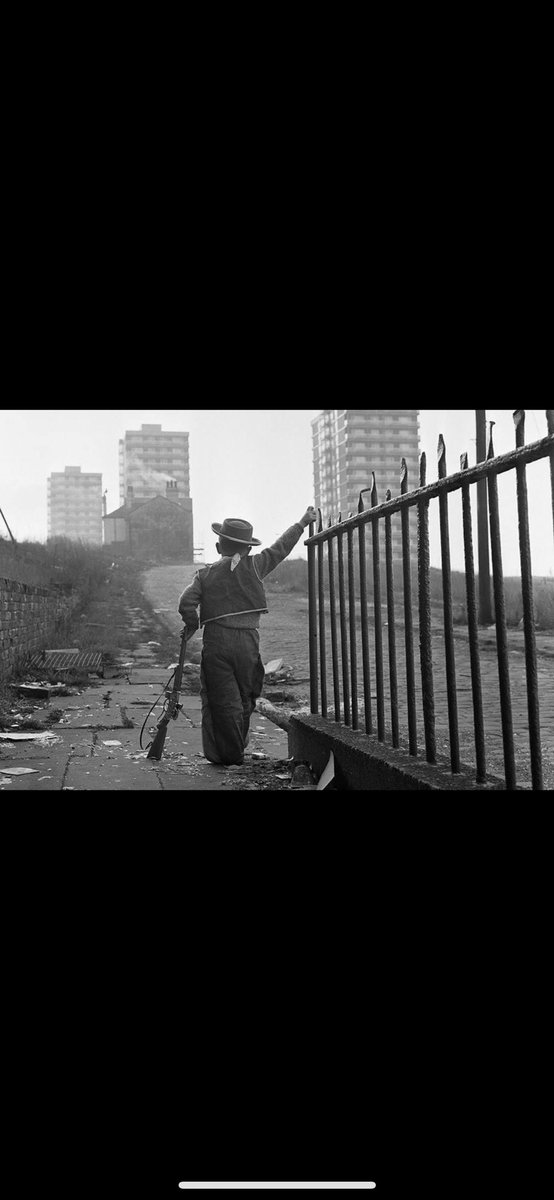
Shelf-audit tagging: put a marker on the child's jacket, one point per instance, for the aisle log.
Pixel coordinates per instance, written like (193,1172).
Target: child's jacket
(227,592)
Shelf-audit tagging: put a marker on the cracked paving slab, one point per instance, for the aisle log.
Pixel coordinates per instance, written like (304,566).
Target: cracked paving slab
(79,759)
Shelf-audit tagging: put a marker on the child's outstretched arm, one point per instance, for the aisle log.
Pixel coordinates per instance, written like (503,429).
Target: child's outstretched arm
(267,560)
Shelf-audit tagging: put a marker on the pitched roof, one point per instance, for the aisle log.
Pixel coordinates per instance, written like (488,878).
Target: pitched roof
(118,512)
(128,510)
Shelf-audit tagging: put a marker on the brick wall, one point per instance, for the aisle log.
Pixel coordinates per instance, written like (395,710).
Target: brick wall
(29,615)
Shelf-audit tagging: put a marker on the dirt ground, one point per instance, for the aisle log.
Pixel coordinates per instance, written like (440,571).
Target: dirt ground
(284,634)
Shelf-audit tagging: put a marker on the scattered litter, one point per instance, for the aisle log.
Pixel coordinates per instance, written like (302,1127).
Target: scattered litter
(32,689)
(18,771)
(111,743)
(328,773)
(257,754)
(274,665)
(302,778)
(66,788)
(45,777)
(287,777)
(154,644)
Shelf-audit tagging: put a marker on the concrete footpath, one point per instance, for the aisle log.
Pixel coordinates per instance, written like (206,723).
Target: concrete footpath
(92,747)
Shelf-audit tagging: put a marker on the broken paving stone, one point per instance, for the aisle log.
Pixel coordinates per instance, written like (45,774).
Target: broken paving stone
(18,771)
(27,737)
(32,689)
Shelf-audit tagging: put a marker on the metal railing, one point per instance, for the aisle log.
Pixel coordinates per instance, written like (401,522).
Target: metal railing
(351,642)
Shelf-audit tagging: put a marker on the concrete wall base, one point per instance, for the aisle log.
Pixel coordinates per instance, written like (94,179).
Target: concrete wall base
(362,763)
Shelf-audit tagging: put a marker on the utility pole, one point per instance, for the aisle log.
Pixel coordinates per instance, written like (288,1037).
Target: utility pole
(7,526)
(485,609)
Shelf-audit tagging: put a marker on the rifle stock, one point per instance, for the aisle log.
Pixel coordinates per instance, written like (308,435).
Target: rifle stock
(157,747)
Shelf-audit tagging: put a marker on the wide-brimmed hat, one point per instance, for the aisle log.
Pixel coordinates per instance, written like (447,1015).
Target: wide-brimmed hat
(235,530)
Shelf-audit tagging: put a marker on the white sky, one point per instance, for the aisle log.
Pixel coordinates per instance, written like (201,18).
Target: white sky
(255,464)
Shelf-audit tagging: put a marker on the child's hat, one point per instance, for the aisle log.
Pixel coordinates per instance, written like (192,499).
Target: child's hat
(236,530)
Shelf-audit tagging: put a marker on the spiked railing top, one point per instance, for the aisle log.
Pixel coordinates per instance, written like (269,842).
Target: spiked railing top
(490,451)
(519,421)
(361,506)
(441,456)
(403,477)
(479,471)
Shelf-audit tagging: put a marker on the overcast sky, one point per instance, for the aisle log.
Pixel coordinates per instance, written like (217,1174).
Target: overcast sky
(255,464)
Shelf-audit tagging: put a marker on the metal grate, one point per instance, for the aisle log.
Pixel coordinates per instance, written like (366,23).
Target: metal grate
(66,660)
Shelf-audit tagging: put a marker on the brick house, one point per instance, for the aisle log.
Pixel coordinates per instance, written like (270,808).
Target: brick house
(157,529)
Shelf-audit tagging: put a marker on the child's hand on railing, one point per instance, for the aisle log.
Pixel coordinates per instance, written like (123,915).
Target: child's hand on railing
(309,516)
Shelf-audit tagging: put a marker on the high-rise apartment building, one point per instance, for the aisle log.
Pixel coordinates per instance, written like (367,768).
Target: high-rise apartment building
(75,504)
(150,458)
(351,443)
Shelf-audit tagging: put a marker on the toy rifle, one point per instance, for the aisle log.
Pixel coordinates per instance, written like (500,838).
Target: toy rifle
(172,706)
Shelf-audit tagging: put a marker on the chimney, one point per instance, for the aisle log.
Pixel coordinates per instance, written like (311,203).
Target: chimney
(130,493)
(104,503)
(172,490)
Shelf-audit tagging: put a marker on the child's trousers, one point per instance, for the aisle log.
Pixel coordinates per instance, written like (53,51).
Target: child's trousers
(231,679)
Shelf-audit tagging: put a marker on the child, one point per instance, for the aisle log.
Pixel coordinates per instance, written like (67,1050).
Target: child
(231,597)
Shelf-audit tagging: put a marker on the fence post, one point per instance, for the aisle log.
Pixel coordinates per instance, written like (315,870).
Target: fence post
(528,612)
(364,618)
(450,654)
(379,673)
(312,622)
(550,426)
(343,635)
(425,630)
(473,632)
(408,619)
(501,635)
(393,674)
(333,619)
(485,609)
(321,599)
